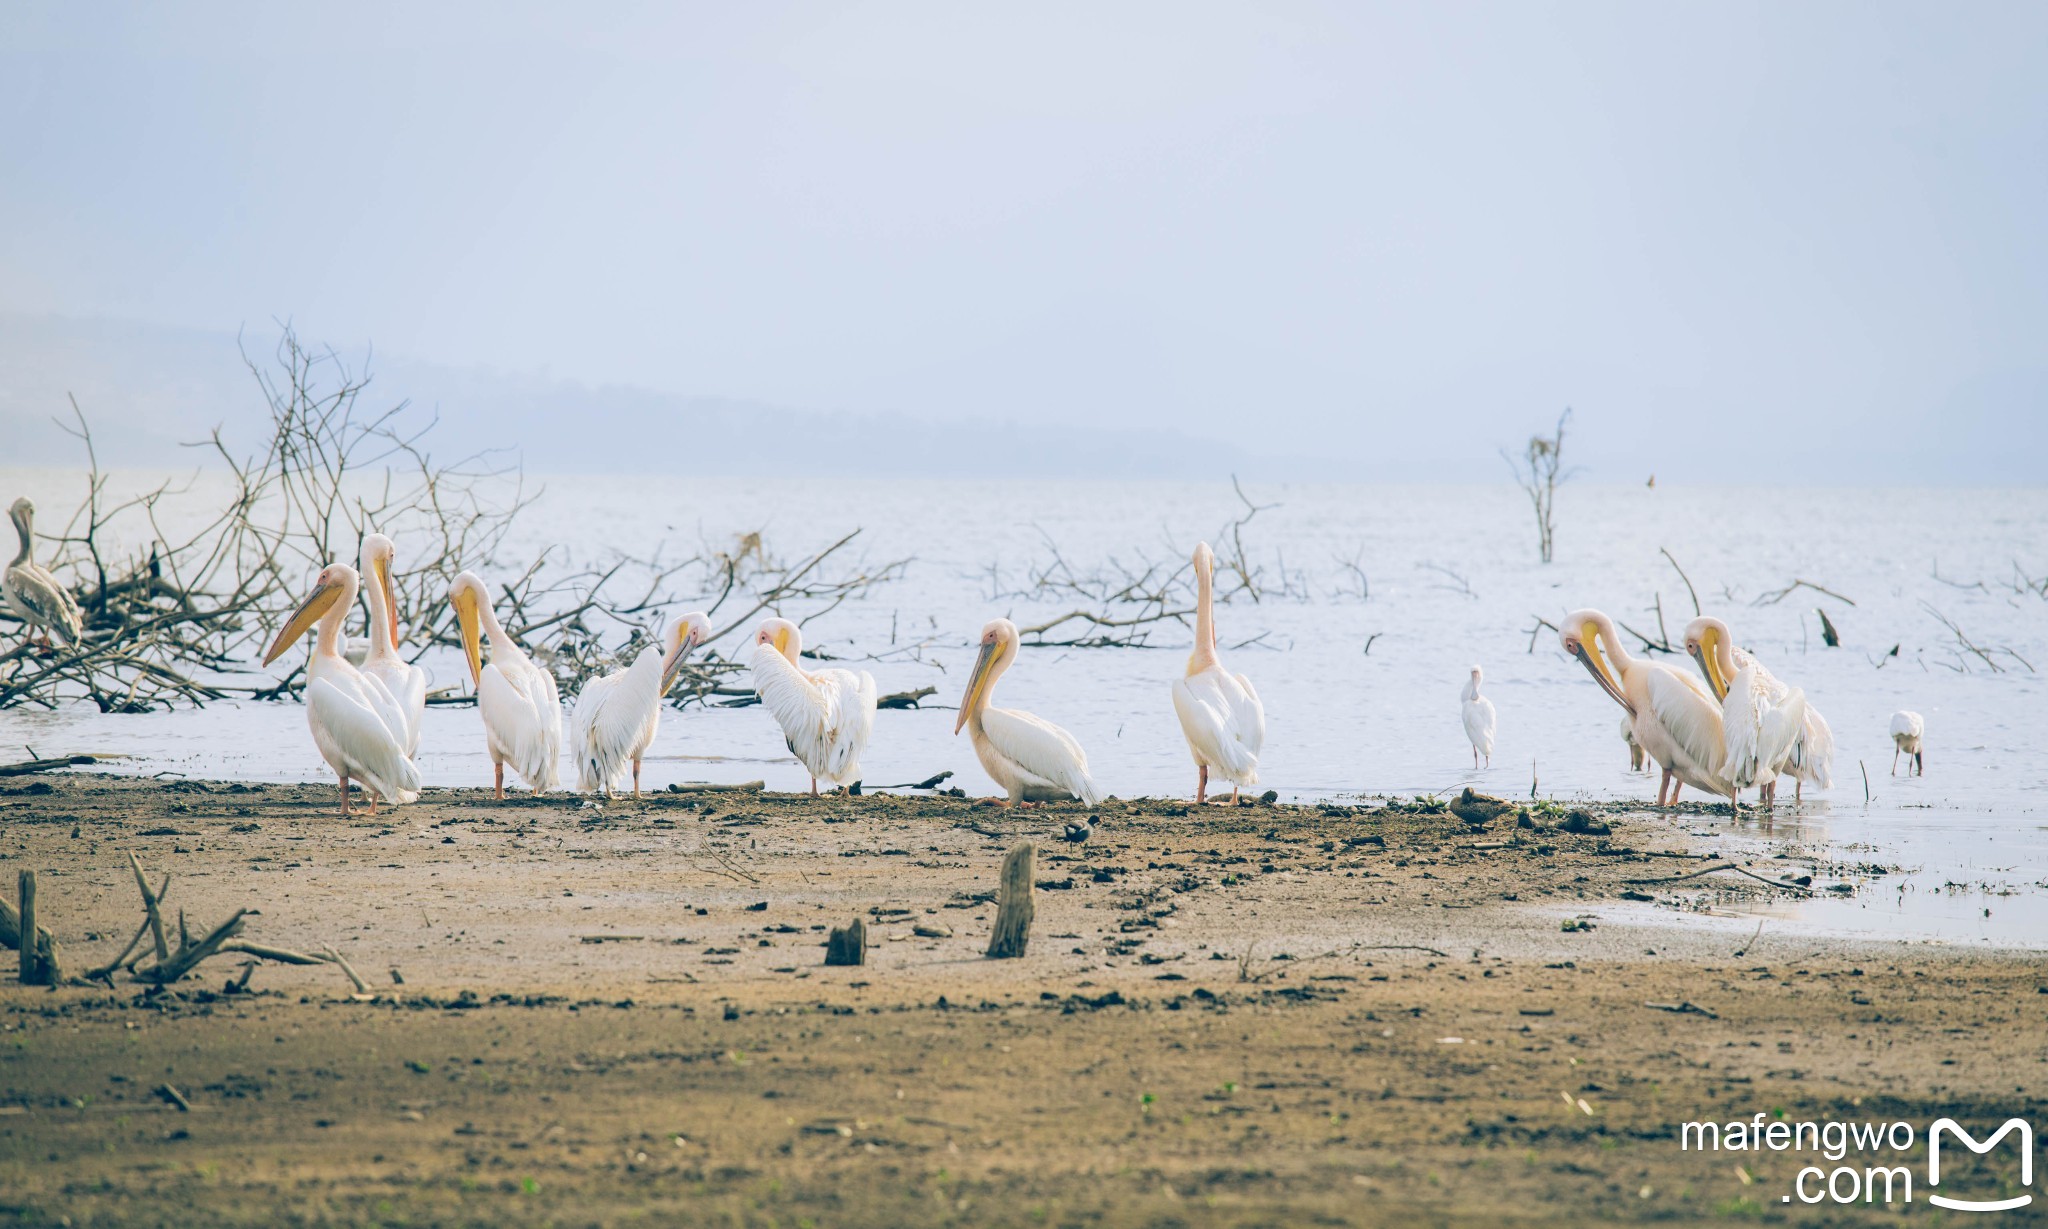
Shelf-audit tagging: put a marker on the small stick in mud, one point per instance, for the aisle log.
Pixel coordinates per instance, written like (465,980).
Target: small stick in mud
(1013,909)
(848,944)
(336,957)
(25,931)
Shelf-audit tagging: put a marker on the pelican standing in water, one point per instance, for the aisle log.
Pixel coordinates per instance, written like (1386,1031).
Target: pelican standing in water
(1479,720)
(1220,714)
(1672,715)
(1032,759)
(521,708)
(1765,722)
(41,601)
(406,682)
(616,716)
(826,715)
(1907,727)
(356,722)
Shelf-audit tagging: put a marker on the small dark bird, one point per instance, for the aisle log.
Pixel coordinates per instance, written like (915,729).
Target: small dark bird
(1081,831)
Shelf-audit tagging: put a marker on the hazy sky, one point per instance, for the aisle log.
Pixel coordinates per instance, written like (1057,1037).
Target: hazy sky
(1745,241)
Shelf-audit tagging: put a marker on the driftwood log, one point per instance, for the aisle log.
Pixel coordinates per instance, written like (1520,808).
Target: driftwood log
(27,767)
(848,944)
(905,699)
(1013,905)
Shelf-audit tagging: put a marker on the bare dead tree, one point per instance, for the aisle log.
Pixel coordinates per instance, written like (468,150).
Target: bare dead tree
(1539,471)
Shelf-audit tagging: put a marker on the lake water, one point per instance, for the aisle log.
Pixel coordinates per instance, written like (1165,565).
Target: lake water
(1450,579)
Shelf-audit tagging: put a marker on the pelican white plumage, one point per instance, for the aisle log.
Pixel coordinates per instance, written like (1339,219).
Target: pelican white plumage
(1479,720)
(37,597)
(826,715)
(406,682)
(1220,714)
(1810,755)
(356,722)
(520,705)
(617,716)
(1907,727)
(1672,715)
(1032,759)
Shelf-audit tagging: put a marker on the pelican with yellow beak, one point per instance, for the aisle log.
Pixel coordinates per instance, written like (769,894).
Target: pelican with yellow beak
(406,682)
(1671,714)
(1220,715)
(356,722)
(1769,725)
(617,716)
(826,715)
(1032,759)
(521,708)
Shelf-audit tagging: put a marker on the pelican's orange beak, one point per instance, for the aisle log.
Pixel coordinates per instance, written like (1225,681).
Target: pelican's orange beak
(471,627)
(977,683)
(317,604)
(383,579)
(1596,664)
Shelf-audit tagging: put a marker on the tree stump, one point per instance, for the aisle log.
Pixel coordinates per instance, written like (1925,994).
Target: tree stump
(848,944)
(40,964)
(1013,905)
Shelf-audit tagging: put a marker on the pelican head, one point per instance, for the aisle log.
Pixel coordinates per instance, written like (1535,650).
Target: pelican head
(999,644)
(335,586)
(469,598)
(784,635)
(1706,638)
(22,513)
(1204,559)
(1475,676)
(684,634)
(377,553)
(1589,636)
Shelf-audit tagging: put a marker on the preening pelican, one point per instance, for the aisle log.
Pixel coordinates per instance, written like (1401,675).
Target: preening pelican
(616,716)
(1479,720)
(521,708)
(1635,749)
(825,715)
(1756,710)
(356,723)
(1031,758)
(1671,714)
(42,602)
(406,682)
(1907,727)
(1220,714)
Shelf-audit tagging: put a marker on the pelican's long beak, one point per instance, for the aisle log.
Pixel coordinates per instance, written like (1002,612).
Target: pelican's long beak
(782,644)
(1596,664)
(317,604)
(672,664)
(1709,657)
(977,684)
(471,627)
(383,580)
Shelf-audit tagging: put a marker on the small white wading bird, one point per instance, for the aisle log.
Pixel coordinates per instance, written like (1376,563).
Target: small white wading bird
(617,716)
(1671,713)
(356,722)
(44,605)
(1032,759)
(1756,708)
(1479,720)
(1220,714)
(1635,749)
(406,682)
(1907,727)
(826,715)
(521,708)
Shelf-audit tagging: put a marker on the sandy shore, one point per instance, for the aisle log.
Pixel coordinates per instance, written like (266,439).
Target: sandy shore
(1240,1016)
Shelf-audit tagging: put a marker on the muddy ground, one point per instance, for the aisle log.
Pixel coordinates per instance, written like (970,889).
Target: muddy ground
(1262,1015)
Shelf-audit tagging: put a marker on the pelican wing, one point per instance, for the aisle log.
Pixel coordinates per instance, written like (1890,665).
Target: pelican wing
(852,704)
(1041,749)
(523,716)
(1223,723)
(1814,758)
(45,602)
(407,684)
(355,724)
(615,719)
(1681,704)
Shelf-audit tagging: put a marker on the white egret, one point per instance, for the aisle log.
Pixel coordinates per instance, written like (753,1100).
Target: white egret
(1479,720)
(1907,727)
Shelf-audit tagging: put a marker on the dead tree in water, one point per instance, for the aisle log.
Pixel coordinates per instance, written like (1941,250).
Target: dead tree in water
(1013,906)
(1539,471)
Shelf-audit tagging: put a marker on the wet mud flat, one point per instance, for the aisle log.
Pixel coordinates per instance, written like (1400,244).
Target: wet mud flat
(1263,1015)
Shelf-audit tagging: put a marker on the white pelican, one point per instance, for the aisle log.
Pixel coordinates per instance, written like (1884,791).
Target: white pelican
(1754,723)
(1031,758)
(521,708)
(1907,727)
(826,715)
(356,723)
(1220,714)
(1635,749)
(42,602)
(616,716)
(1671,714)
(406,682)
(1479,720)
